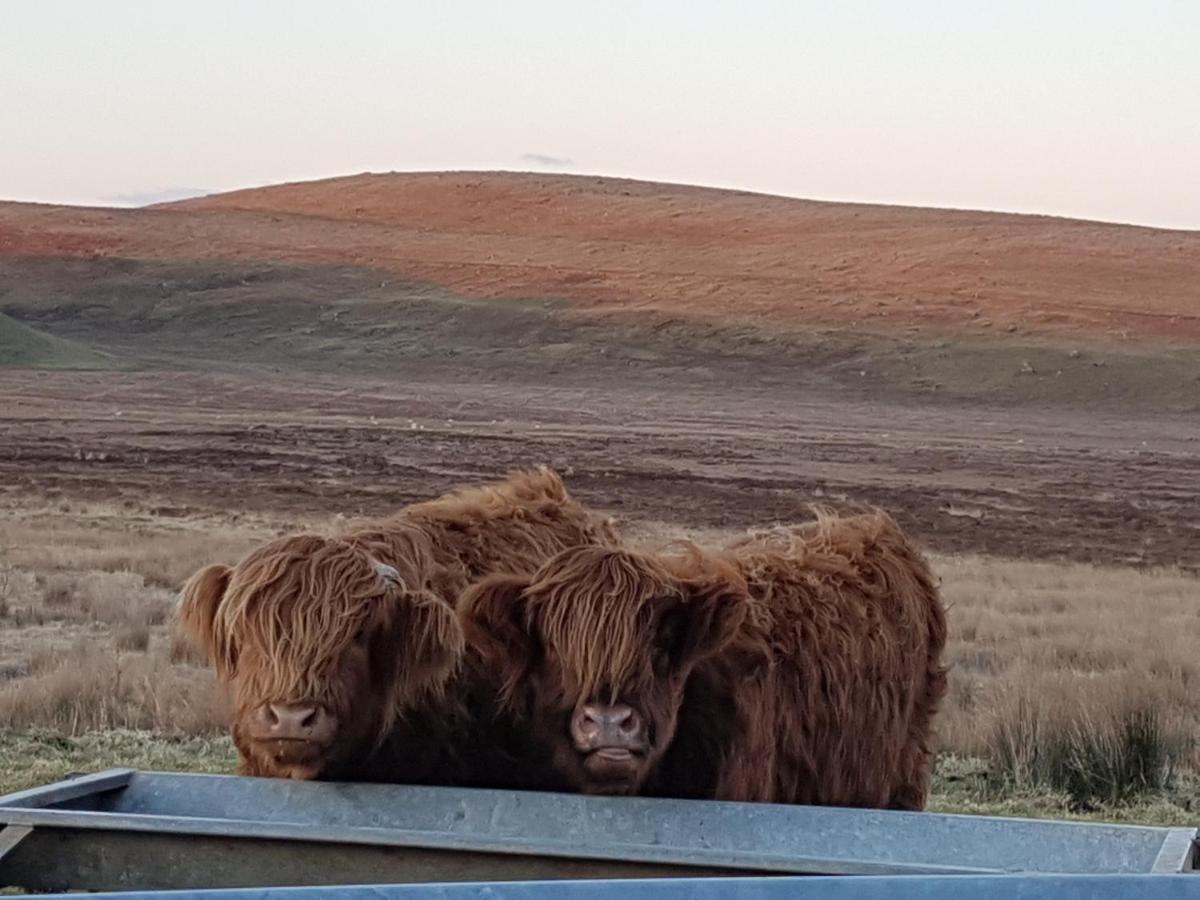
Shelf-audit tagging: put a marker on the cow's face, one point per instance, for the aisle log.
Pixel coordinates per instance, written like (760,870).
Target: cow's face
(321,647)
(592,655)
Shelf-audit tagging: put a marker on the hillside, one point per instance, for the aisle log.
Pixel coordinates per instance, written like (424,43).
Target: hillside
(732,254)
(25,347)
(376,272)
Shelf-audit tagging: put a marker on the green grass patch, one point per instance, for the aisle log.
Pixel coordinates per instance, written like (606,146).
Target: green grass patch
(973,787)
(32,758)
(27,348)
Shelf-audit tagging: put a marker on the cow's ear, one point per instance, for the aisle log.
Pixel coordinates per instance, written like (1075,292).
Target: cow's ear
(495,622)
(701,621)
(426,641)
(199,600)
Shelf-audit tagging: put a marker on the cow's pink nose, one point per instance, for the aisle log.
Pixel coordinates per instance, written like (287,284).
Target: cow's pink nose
(295,722)
(597,725)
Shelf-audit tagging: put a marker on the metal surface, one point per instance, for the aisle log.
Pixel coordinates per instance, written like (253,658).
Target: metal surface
(908,887)
(122,829)
(59,859)
(12,836)
(1180,852)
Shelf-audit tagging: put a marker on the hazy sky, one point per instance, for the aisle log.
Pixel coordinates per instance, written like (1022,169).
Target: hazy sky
(1087,109)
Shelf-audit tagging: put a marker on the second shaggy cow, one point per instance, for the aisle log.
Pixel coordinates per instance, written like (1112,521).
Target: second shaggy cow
(801,665)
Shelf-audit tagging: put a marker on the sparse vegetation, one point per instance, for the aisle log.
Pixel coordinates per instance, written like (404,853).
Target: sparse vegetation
(1072,687)
(36,757)
(972,785)
(87,641)
(1107,759)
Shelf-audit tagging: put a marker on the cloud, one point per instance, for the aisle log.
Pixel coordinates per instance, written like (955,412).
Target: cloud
(163,195)
(542,159)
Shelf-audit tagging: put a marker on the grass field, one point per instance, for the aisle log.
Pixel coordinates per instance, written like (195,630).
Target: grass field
(1072,687)
(23,346)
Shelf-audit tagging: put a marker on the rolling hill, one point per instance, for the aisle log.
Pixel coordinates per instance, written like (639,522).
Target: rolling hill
(503,275)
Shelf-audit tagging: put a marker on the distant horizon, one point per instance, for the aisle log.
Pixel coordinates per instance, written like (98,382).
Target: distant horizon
(169,195)
(1079,110)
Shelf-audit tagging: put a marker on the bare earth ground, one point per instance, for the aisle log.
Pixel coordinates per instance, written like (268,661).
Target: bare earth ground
(1031,485)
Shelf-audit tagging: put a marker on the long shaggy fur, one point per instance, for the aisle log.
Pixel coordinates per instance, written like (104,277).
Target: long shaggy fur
(295,605)
(811,656)
(599,643)
(835,676)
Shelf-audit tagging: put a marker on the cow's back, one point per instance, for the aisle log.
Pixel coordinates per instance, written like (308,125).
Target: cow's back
(835,678)
(511,526)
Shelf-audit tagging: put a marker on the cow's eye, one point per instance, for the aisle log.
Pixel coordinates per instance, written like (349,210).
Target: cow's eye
(661,659)
(670,637)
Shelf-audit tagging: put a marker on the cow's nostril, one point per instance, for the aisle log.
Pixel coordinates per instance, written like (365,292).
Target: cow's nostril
(602,725)
(294,722)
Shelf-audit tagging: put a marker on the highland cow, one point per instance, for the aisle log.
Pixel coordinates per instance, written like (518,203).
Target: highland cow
(799,665)
(338,651)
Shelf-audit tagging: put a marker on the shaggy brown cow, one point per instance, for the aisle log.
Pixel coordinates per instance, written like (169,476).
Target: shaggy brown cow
(332,646)
(799,665)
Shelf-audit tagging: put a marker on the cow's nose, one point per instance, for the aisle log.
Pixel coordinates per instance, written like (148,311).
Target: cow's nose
(607,725)
(297,722)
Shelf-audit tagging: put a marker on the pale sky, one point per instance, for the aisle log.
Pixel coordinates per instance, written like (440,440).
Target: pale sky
(1087,109)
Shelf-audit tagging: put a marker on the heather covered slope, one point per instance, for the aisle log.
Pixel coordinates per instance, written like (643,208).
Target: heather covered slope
(742,256)
(500,276)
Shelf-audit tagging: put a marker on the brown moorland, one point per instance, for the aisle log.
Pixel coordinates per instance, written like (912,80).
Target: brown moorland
(613,244)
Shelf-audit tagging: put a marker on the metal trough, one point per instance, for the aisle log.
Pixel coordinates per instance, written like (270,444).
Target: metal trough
(858,887)
(127,830)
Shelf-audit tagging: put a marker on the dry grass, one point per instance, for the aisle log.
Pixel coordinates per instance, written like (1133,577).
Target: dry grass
(1073,688)
(69,539)
(87,638)
(1070,642)
(1073,679)
(95,687)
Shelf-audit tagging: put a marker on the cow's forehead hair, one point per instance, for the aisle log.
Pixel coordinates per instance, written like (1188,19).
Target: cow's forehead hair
(302,596)
(595,608)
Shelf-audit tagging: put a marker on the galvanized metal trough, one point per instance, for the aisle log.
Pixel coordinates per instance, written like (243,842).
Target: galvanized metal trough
(123,830)
(854,887)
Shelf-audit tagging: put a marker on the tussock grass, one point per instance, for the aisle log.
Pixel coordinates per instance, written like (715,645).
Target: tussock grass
(1040,651)
(1092,758)
(97,539)
(96,687)
(88,638)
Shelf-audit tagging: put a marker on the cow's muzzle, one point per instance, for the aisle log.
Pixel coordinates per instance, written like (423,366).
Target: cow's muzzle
(613,733)
(304,723)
